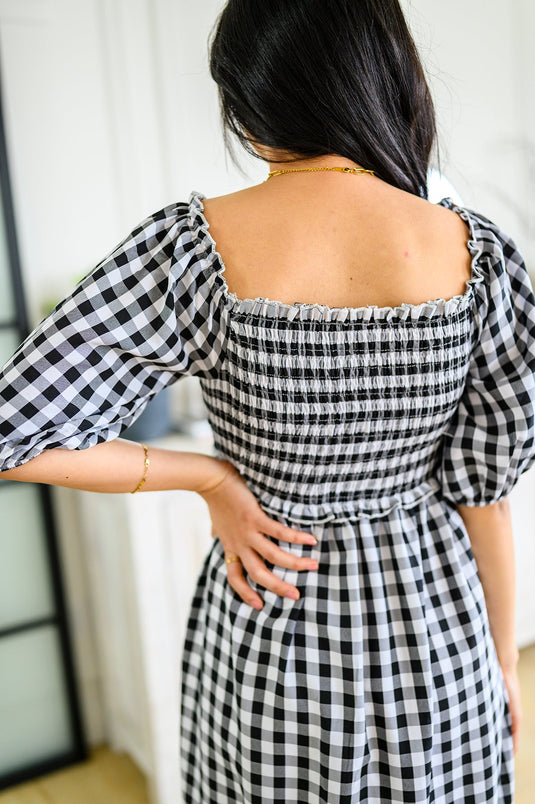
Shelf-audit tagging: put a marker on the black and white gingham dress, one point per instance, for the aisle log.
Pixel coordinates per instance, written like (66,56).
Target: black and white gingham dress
(363,425)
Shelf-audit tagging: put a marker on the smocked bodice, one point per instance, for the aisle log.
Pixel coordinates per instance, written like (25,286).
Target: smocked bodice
(391,416)
(329,413)
(335,413)
(333,420)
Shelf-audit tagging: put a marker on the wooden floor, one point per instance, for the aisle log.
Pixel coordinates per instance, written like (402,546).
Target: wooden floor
(110,778)
(524,760)
(105,778)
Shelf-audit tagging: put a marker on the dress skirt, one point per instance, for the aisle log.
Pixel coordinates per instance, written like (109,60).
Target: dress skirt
(380,684)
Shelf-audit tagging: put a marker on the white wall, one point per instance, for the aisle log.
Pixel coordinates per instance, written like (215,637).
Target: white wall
(480,62)
(59,141)
(111,114)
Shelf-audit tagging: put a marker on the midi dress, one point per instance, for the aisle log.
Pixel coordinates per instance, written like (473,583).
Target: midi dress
(365,426)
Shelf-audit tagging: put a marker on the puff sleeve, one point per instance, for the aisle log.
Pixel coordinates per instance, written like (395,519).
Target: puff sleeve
(138,322)
(490,439)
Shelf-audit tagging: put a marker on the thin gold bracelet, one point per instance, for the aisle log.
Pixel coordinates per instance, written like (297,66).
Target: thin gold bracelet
(203,491)
(147,462)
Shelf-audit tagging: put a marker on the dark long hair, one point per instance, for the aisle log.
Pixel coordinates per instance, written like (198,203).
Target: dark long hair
(315,77)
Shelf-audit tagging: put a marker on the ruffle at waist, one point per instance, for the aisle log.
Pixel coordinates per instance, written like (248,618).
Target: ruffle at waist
(360,508)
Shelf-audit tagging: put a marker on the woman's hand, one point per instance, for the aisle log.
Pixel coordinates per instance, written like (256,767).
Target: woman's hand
(512,684)
(241,524)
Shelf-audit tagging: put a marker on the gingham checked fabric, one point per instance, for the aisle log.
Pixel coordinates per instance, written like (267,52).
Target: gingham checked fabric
(363,425)
(138,322)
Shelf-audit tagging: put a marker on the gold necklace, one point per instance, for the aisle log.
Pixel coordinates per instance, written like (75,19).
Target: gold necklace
(342,169)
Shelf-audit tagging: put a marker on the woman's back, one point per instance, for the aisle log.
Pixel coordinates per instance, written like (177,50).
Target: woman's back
(367,360)
(332,412)
(365,424)
(368,425)
(339,240)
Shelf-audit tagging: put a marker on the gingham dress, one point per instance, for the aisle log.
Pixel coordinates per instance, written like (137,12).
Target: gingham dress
(365,426)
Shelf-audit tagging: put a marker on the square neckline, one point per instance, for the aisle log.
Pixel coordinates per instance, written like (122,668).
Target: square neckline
(262,305)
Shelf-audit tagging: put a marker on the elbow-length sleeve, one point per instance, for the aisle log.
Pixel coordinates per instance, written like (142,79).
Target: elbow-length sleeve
(490,439)
(139,321)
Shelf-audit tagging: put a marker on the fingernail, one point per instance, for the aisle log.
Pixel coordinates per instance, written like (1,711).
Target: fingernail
(257,605)
(313,565)
(293,595)
(311,540)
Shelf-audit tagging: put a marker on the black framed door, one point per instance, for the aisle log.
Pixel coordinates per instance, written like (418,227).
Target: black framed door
(40,721)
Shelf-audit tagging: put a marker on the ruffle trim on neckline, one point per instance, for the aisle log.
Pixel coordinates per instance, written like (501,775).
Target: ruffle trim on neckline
(361,508)
(263,306)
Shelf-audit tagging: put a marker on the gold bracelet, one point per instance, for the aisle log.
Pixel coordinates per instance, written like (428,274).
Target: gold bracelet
(203,491)
(147,462)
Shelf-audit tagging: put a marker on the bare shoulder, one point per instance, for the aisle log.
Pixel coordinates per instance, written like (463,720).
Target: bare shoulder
(442,221)
(339,245)
(430,217)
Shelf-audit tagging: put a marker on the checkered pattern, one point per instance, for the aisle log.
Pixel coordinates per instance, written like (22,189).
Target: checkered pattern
(138,322)
(363,425)
(489,441)
(381,683)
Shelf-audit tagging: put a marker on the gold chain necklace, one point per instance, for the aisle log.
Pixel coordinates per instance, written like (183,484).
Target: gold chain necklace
(342,169)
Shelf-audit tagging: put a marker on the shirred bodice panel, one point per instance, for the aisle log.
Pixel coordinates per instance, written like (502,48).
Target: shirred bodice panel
(328,412)
(328,420)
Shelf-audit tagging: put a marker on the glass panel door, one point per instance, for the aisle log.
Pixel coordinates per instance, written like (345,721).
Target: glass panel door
(40,724)
(35,712)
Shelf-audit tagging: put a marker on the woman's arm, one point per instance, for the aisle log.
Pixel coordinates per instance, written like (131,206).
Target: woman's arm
(490,531)
(237,517)
(118,466)
(491,535)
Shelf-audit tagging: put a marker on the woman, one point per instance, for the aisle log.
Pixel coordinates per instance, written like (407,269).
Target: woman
(367,361)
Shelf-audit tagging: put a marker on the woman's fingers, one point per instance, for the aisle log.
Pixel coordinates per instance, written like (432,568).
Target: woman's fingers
(239,584)
(250,526)
(276,555)
(283,532)
(512,684)
(259,573)
(260,546)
